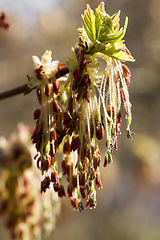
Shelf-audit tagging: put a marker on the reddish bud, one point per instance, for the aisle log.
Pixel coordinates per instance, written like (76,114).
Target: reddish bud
(56,186)
(48,90)
(119,117)
(66,147)
(45,184)
(55,106)
(83,192)
(100,132)
(98,181)
(53,135)
(54,176)
(61,191)
(74,180)
(83,65)
(39,96)
(82,179)
(128,80)
(74,202)
(67,119)
(126,71)
(75,143)
(105,161)
(90,203)
(37,113)
(56,88)
(116,144)
(96,161)
(39,72)
(45,163)
(77,75)
(122,95)
(70,189)
(85,94)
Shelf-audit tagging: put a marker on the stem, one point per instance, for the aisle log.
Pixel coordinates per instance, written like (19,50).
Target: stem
(21,89)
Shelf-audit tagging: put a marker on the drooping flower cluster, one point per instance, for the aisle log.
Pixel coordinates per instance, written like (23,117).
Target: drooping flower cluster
(24,207)
(90,112)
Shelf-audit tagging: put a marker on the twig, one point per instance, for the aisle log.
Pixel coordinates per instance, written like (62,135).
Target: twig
(21,89)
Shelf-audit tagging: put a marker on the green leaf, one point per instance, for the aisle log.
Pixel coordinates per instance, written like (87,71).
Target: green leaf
(107,23)
(98,23)
(111,38)
(123,56)
(89,23)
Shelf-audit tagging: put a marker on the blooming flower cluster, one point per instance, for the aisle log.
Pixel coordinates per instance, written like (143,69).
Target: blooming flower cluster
(25,208)
(77,112)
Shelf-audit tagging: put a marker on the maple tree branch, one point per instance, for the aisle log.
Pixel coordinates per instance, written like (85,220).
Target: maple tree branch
(21,89)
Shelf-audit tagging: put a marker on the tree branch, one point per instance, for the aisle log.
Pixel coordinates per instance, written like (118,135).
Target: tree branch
(21,89)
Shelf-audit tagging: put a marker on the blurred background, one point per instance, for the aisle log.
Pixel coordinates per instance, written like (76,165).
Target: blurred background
(129,203)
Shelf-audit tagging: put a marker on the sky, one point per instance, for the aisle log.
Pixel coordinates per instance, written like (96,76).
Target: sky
(27,10)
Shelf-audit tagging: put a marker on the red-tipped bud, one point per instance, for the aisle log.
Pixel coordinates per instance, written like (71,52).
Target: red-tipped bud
(66,147)
(98,181)
(119,117)
(45,164)
(83,192)
(48,90)
(61,191)
(74,180)
(56,186)
(67,119)
(55,106)
(122,95)
(53,135)
(75,143)
(70,190)
(82,179)
(74,202)
(39,96)
(100,132)
(126,71)
(77,75)
(85,94)
(37,113)
(56,88)
(96,161)
(83,65)
(105,161)
(45,184)
(54,176)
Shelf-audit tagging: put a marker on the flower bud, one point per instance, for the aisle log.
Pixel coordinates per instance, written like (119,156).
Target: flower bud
(100,132)
(45,184)
(37,114)
(105,161)
(75,143)
(82,179)
(56,88)
(55,106)
(98,181)
(48,90)
(122,95)
(61,191)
